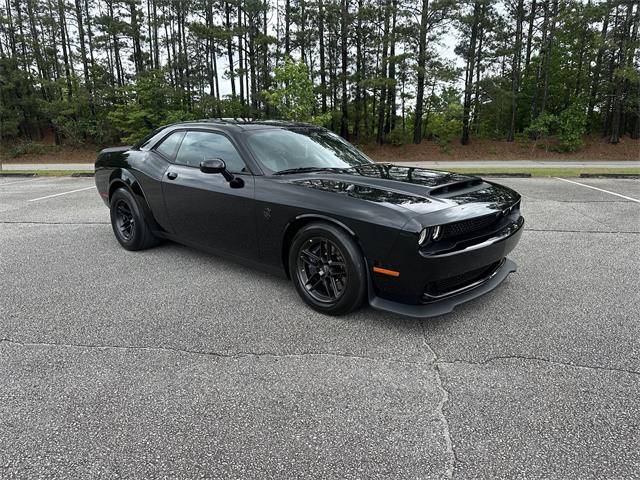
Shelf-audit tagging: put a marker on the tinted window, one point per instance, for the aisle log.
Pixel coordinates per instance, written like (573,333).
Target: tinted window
(280,149)
(199,146)
(170,144)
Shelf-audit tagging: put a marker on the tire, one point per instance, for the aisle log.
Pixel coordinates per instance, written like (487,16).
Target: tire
(327,269)
(128,223)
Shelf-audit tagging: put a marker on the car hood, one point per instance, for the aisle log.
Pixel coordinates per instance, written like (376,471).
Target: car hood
(418,191)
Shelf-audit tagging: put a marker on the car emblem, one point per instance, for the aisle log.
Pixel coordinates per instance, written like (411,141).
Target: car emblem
(267,213)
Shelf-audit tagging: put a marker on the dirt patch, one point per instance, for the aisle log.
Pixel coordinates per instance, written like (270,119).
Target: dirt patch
(595,148)
(53,154)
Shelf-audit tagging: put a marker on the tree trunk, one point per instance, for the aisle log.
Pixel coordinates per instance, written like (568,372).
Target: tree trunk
(391,94)
(358,80)
(383,73)
(135,38)
(422,60)
(65,54)
(89,36)
(515,70)
(617,114)
(344,19)
(240,56)
(232,79)
(543,54)
(287,28)
(83,49)
(548,55)
(468,88)
(323,79)
(479,70)
(532,17)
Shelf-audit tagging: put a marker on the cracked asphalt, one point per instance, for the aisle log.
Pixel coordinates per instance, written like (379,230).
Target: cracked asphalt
(175,363)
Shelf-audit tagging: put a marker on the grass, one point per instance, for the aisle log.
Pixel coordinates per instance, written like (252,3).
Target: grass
(44,173)
(547,172)
(535,172)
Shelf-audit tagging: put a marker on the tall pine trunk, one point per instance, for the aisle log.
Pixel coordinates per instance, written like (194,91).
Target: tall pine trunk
(344,19)
(323,79)
(515,70)
(471,58)
(422,61)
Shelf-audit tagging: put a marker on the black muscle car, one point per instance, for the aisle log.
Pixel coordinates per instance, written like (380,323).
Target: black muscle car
(298,199)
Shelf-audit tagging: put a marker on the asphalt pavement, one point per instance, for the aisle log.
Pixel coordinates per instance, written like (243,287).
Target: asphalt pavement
(175,363)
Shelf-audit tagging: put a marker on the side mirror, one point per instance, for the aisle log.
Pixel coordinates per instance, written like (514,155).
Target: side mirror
(213,165)
(217,165)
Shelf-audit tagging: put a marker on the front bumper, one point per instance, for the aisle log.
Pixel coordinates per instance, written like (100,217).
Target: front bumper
(447,304)
(411,292)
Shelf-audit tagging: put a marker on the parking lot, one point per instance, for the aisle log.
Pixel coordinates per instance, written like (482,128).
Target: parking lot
(175,363)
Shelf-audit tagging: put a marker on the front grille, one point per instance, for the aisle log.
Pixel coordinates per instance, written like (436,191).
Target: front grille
(450,285)
(467,226)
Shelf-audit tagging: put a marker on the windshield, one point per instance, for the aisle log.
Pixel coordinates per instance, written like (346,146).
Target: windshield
(279,149)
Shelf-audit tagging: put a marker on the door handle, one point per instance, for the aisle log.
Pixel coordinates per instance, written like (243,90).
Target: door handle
(172,175)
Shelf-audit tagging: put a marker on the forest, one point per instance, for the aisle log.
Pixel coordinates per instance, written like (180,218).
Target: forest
(374,71)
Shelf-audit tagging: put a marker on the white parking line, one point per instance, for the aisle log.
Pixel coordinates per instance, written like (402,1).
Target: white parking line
(599,189)
(58,194)
(2,184)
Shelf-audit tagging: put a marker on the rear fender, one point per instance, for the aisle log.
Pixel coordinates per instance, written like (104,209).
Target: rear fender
(122,178)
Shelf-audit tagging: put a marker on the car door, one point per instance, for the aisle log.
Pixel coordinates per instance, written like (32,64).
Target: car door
(205,208)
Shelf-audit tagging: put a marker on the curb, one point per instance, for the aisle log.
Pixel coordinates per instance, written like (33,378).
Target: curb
(498,174)
(83,174)
(609,175)
(18,174)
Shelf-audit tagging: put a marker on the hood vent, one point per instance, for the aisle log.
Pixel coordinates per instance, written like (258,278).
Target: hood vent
(455,187)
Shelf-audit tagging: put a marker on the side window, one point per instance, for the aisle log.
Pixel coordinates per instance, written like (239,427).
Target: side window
(170,144)
(199,146)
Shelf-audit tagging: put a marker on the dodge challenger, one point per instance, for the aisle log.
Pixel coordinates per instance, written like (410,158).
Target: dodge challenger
(299,200)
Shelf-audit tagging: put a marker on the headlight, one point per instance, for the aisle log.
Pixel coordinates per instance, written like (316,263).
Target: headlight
(423,236)
(433,233)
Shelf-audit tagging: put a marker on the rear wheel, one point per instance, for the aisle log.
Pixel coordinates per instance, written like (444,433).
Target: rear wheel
(327,269)
(128,222)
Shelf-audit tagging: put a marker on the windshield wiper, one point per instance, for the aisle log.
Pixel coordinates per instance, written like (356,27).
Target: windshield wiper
(309,169)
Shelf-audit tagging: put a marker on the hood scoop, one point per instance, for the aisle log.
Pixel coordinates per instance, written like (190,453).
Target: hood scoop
(456,187)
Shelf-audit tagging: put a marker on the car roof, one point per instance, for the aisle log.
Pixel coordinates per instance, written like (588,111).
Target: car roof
(238,124)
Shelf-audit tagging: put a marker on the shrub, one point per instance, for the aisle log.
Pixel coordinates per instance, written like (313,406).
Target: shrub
(25,148)
(443,127)
(541,128)
(572,123)
(399,137)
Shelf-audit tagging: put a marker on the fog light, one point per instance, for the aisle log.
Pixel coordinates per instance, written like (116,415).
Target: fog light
(423,236)
(437,231)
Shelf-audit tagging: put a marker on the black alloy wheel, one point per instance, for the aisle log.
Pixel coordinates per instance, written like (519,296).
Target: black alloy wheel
(322,270)
(124,219)
(128,222)
(327,269)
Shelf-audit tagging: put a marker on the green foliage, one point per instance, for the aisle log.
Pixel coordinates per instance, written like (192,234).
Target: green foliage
(541,128)
(134,71)
(445,126)
(145,105)
(293,97)
(571,126)
(16,102)
(24,148)
(398,136)
(568,127)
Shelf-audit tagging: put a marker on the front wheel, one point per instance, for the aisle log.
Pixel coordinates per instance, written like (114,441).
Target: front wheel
(327,269)
(128,222)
